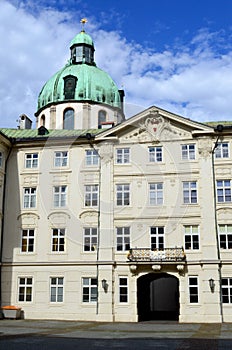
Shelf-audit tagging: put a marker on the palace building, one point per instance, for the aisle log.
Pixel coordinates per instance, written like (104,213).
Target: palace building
(105,218)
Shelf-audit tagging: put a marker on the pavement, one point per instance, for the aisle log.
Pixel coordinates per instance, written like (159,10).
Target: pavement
(11,328)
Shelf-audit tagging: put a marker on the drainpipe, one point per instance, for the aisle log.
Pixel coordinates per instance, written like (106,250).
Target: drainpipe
(218,129)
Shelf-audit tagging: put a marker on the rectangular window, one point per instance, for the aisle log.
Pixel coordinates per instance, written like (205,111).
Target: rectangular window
(91,157)
(191,237)
(89,290)
(27,243)
(123,155)
(155,154)
(61,158)
(123,194)
(193,289)
(123,289)
(1,159)
(90,239)
(222,150)
(31,160)
(226,286)
(91,195)
(60,196)
(188,152)
(223,191)
(29,197)
(25,289)
(58,239)
(123,238)
(157,237)
(190,192)
(225,236)
(156,193)
(57,289)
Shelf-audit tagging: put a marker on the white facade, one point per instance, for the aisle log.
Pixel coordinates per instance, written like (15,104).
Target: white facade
(73,225)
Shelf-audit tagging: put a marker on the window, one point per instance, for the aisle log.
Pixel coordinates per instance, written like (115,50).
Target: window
(25,289)
(222,150)
(42,120)
(68,119)
(156,193)
(188,152)
(225,236)
(191,237)
(91,157)
(123,155)
(61,159)
(90,239)
(157,237)
(89,291)
(193,289)
(60,194)
(29,197)
(58,239)
(155,154)
(91,195)
(123,194)
(101,117)
(123,290)
(190,192)
(31,160)
(1,159)
(27,244)
(57,289)
(226,286)
(123,238)
(69,87)
(223,191)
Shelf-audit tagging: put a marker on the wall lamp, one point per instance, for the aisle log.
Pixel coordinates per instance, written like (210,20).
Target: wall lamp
(105,285)
(212,284)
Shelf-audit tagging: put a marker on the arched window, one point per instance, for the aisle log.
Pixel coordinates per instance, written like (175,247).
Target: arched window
(42,120)
(68,119)
(69,87)
(101,117)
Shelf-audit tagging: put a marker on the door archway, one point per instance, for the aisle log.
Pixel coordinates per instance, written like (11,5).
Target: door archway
(158,297)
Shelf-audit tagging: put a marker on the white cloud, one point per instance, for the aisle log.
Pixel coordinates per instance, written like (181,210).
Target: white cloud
(192,80)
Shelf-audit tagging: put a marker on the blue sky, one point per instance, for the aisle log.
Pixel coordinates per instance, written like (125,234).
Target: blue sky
(174,54)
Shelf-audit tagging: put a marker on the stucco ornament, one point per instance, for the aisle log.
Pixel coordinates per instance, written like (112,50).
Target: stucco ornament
(205,148)
(106,152)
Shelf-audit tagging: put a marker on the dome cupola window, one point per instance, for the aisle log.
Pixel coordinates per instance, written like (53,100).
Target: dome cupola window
(101,117)
(69,87)
(68,119)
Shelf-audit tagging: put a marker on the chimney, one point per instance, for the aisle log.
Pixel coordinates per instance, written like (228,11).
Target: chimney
(24,122)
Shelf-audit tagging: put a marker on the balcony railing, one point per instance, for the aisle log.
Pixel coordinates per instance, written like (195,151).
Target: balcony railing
(158,255)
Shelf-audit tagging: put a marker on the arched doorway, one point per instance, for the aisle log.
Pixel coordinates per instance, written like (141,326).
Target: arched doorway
(158,297)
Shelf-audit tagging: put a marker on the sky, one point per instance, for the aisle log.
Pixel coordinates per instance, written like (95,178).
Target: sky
(173,54)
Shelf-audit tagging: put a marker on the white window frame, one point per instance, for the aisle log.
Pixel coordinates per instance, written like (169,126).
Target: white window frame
(226,241)
(90,239)
(31,160)
(24,288)
(191,237)
(155,154)
(226,285)
(193,289)
(224,191)
(58,240)
(91,195)
(123,194)
(60,196)
(91,157)
(123,155)
(58,288)
(157,237)
(222,150)
(188,151)
(122,238)
(123,290)
(89,289)
(60,159)
(29,197)
(27,240)
(190,192)
(156,193)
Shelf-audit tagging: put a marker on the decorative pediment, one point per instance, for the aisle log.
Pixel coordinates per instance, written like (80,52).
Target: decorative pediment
(59,218)
(89,216)
(28,219)
(224,214)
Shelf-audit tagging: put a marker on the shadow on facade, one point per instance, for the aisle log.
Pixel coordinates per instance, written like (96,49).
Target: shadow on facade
(158,297)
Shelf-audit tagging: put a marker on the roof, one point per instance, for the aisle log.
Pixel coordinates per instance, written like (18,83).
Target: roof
(82,38)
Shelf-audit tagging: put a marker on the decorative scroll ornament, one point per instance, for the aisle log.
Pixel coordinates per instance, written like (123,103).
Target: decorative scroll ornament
(106,152)
(205,148)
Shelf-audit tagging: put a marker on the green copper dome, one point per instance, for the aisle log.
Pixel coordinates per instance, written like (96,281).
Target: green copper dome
(80,79)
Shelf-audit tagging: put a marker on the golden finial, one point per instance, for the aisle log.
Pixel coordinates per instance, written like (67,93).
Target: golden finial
(83,21)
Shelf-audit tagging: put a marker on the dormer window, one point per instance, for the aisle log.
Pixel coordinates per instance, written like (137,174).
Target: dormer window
(69,87)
